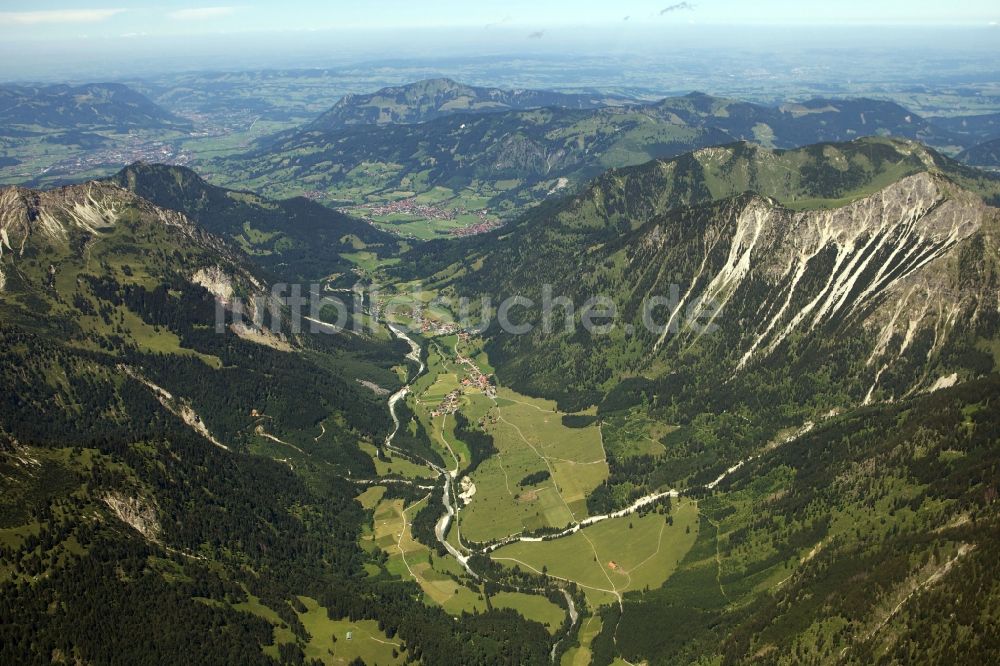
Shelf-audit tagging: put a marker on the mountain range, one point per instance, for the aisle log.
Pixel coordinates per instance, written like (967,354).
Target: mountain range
(93,106)
(980,127)
(154,468)
(984,154)
(804,444)
(435,98)
(783,240)
(515,158)
(845,306)
(294,239)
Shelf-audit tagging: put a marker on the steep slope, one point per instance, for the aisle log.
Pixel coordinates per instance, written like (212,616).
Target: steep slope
(820,176)
(433,98)
(107,279)
(819,388)
(294,239)
(869,540)
(106,106)
(165,482)
(985,154)
(907,274)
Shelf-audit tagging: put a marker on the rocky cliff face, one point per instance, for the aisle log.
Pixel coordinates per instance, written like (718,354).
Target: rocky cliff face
(65,224)
(909,270)
(882,297)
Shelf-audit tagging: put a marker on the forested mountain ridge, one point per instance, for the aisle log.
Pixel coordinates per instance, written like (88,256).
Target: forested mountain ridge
(911,264)
(851,379)
(985,154)
(981,127)
(167,484)
(816,120)
(513,158)
(869,294)
(868,540)
(95,267)
(849,388)
(108,106)
(426,100)
(294,239)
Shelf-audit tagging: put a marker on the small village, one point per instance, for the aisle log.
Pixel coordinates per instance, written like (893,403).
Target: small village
(475,380)
(476,229)
(414,207)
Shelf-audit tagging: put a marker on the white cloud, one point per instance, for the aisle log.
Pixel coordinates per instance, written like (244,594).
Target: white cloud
(201,13)
(58,16)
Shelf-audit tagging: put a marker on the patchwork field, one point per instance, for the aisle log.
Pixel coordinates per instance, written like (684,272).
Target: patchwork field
(539,478)
(531,441)
(614,556)
(410,559)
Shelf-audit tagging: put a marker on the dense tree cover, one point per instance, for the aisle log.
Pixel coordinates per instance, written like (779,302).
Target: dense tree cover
(273,534)
(916,485)
(123,518)
(110,606)
(293,239)
(412,437)
(423,523)
(579,420)
(130,537)
(515,156)
(479,441)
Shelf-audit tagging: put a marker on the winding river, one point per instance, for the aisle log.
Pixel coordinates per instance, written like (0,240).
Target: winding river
(448,477)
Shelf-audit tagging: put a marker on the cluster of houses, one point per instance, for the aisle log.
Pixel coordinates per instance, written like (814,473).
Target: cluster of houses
(436,327)
(481,382)
(477,378)
(413,207)
(449,405)
(477,228)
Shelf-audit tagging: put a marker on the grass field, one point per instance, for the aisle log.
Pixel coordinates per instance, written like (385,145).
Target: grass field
(614,556)
(533,607)
(371,496)
(634,434)
(410,559)
(397,466)
(531,439)
(328,638)
(581,656)
(330,644)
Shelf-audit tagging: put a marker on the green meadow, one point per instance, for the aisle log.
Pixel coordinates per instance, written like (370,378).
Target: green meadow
(531,439)
(614,556)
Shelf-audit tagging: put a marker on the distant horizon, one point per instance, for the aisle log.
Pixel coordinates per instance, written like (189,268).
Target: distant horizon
(92,59)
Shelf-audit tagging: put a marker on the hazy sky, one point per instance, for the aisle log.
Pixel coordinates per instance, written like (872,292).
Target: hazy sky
(61,19)
(49,39)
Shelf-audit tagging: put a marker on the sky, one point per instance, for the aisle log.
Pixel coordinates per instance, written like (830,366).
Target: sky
(39,36)
(45,20)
